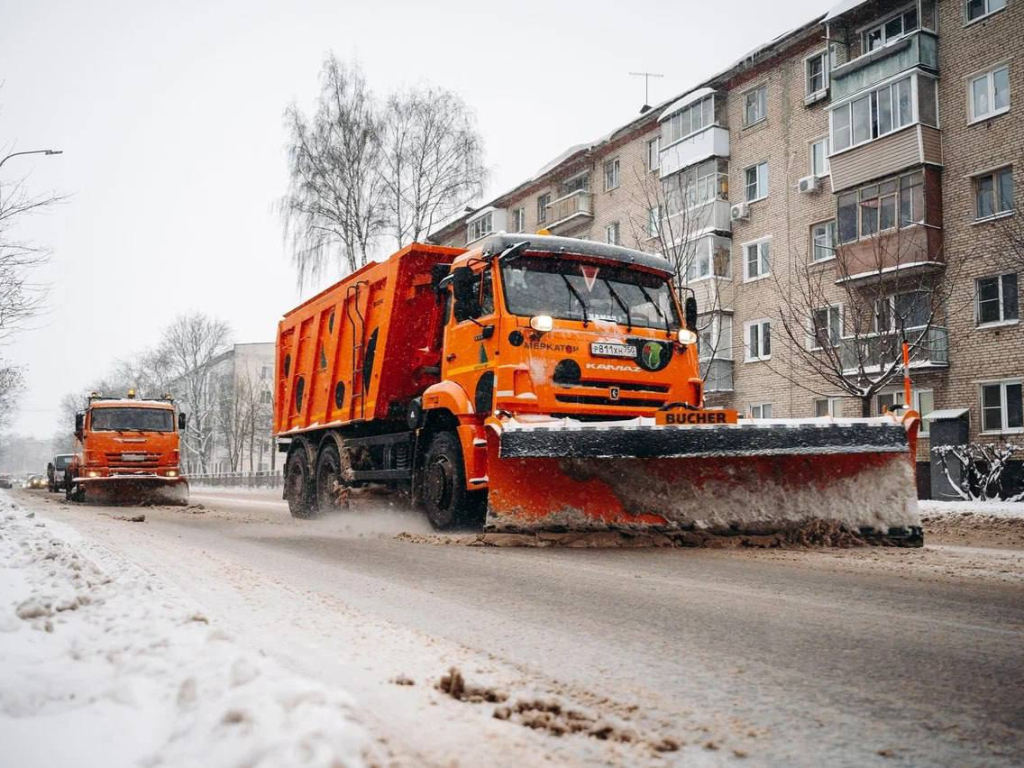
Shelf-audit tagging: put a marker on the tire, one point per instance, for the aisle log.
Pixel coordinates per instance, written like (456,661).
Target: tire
(447,502)
(329,478)
(299,488)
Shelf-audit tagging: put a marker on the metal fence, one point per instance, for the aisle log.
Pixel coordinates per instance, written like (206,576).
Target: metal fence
(267,479)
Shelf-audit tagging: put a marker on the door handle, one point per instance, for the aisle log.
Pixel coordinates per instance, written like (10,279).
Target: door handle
(451,357)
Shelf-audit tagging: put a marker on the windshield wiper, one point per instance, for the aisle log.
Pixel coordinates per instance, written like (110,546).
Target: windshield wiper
(620,302)
(583,304)
(657,309)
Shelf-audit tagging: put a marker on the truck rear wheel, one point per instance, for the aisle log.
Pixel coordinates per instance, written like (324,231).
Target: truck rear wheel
(299,489)
(445,497)
(329,478)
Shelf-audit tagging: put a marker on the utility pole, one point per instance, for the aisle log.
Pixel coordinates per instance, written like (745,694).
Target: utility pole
(647,82)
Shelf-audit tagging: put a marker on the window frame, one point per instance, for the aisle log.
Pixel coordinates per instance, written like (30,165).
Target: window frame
(543,201)
(673,124)
(994,174)
(827,166)
(764,262)
(829,224)
(718,330)
(822,56)
(611,169)
(1003,320)
(654,157)
(916,218)
(758,177)
(871,95)
(830,406)
(709,254)
(813,343)
(519,218)
(760,93)
(1004,429)
(989,75)
(881,25)
(897,398)
(609,230)
(474,227)
(968,21)
(761,355)
(760,410)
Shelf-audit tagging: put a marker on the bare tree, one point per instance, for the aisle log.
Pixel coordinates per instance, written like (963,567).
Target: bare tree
(674,217)
(11,383)
(845,327)
(432,161)
(190,347)
(333,210)
(233,416)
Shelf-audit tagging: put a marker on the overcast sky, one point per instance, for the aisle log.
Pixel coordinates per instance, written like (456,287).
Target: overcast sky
(169,115)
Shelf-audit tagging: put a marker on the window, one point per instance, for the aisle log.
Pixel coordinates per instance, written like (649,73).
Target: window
(697,185)
(756,259)
(653,221)
(611,174)
(755,105)
(611,233)
(875,208)
(819,158)
(756,181)
(711,256)
(989,93)
(265,373)
(997,299)
(654,154)
(519,220)
(826,327)
(694,117)
(825,406)
(924,403)
(481,227)
(892,30)
(817,73)
(758,339)
(542,208)
(823,241)
(993,193)
(578,183)
(760,411)
(714,336)
(907,311)
(977,9)
(881,111)
(265,397)
(1001,407)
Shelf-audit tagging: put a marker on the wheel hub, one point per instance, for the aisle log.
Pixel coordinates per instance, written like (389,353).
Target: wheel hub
(439,481)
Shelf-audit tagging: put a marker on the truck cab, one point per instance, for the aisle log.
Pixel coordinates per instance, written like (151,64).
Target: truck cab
(55,471)
(128,449)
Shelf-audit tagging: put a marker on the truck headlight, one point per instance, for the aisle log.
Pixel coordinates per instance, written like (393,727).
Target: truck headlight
(93,473)
(542,323)
(687,337)
(172,473)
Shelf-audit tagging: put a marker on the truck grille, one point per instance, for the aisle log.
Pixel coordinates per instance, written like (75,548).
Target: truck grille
(144,460)
(622,402)
(625,386)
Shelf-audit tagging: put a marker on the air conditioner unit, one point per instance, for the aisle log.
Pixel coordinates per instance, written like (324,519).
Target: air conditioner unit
(739,212)
(809,184)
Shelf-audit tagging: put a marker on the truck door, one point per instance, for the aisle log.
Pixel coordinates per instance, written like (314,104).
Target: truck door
(471,345)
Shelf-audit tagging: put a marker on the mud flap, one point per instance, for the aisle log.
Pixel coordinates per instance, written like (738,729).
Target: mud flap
(754,478)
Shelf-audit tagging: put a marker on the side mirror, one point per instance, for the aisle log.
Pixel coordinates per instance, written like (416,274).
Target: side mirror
(182,422)
(79,424)
(691,313)
(464,289)
(49,469)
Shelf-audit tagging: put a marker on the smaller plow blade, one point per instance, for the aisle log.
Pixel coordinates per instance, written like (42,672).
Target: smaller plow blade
(753,478)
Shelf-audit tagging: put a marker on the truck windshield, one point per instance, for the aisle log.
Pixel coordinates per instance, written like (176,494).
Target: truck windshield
(61,462)
(133,419)
(556,287)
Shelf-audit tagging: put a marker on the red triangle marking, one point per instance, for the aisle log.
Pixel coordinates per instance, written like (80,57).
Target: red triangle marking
(589,275)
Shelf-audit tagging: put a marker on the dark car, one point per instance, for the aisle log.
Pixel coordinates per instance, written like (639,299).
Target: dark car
(55,471)
(5,481)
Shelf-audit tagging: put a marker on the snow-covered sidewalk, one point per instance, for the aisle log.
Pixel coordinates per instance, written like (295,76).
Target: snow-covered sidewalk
(1010,509)
(105,664)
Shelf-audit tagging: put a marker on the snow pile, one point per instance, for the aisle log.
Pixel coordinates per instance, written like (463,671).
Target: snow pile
(107,667)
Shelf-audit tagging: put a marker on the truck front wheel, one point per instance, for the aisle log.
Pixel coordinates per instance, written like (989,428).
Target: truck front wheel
(299,488)
(445,497)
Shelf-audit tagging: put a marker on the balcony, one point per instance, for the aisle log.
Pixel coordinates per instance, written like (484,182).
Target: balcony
(875,352)
(920,49)
(906,252)
(711,142)
(570,209)
(698,221)
(717,375)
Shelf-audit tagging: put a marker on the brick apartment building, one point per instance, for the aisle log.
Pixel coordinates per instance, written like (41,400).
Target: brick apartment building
(876,153)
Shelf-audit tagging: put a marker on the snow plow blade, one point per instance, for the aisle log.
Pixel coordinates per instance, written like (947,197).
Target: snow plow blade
(754,478)
(135,491)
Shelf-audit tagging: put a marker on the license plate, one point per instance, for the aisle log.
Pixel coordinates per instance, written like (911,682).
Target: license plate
(133,457)
(613,350)
(686,417)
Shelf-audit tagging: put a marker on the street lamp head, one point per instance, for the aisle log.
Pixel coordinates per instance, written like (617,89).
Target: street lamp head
(54,152)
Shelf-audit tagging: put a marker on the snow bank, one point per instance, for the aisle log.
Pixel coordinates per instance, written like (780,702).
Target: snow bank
(1011,509)
(110,667)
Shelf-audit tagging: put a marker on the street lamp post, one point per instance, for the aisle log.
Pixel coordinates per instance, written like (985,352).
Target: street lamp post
(33,152)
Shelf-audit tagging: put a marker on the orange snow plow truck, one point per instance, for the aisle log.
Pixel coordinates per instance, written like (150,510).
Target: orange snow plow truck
(538,383)
(127,451)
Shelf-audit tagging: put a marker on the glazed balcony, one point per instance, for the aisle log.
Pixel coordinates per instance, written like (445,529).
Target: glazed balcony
(570,210)
(878,351)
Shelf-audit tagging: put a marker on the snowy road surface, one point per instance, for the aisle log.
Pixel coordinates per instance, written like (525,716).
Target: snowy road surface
(805,657)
